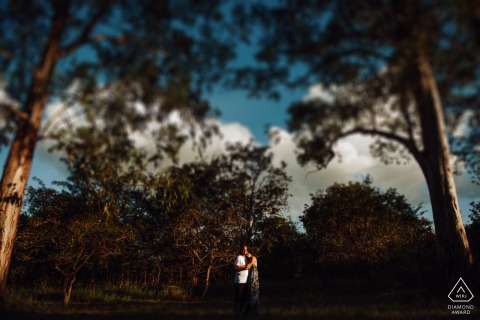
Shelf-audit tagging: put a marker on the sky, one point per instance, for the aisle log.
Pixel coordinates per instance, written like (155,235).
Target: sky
(243,119)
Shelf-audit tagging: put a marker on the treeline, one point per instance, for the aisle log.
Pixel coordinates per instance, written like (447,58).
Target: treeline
(184,227)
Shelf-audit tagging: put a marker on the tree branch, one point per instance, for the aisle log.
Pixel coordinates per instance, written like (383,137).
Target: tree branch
(408,119)
(407,143)
(12,109)
(377,132)
(52,120)
(56,121)
(85,35)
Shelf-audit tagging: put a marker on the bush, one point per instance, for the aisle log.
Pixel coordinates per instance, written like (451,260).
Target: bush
(356,229)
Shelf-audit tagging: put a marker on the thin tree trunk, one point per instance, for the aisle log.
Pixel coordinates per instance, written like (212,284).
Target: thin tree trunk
(67,289)
(19,161)
(207,280)
(145,275)
(452,244)
(156,280)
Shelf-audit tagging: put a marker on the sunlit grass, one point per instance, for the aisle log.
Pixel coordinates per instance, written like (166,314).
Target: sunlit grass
(104,294)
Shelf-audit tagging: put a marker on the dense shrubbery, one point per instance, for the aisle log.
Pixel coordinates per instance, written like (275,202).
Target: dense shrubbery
(355,229)
(473,231)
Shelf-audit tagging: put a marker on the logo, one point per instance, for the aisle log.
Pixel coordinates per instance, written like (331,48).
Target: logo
(460,292)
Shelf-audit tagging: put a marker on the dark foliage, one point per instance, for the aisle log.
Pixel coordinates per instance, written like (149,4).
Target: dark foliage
(357,230)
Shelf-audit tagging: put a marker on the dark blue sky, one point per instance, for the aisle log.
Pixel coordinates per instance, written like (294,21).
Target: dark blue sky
(256,114)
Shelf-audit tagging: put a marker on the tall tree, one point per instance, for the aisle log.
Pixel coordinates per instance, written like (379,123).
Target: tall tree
(260,191)
(232,199)
(156,49)
(400,71)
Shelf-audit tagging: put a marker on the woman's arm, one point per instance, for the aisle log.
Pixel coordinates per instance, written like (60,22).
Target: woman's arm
(253,262)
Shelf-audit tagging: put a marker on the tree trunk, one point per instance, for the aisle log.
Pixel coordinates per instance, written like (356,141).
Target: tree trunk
(67,289)
(159,273)
(207,280)
(453,249)
(19,161)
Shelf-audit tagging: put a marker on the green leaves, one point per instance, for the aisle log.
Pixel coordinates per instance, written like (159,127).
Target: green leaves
(357,224)
(69,231)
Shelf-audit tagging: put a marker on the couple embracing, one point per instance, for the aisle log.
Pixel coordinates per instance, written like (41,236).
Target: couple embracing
(246,284)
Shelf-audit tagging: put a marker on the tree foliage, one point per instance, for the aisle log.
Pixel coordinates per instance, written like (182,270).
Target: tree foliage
(156,49)
(232,200)
(67,233)
(355,225)
(261,188)
(473,230)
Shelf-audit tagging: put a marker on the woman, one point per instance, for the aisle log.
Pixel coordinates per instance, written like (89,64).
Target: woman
(253,285)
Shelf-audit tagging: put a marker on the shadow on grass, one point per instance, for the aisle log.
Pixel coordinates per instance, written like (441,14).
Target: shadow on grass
(279,300)
(140,311)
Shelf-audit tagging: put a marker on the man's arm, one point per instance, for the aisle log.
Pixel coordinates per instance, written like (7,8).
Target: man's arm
(239,267)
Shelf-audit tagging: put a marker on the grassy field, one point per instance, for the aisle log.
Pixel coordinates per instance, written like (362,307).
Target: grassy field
(291,300)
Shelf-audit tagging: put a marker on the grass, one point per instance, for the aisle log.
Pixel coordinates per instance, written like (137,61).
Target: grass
(304,299)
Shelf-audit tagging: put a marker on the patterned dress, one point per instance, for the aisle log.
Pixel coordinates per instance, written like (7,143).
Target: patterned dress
(253,288)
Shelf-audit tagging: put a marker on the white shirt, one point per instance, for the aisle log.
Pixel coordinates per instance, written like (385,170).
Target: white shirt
(241,275)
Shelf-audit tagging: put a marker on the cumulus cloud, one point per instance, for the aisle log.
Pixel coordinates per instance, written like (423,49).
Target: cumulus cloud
(48,166)
(229,133)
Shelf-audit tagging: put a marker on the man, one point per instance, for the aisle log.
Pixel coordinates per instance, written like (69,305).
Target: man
(240,280)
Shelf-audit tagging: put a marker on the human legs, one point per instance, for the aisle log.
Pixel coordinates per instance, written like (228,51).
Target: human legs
(238,297)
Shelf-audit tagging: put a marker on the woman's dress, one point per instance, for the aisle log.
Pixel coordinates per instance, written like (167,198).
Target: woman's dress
(253,288)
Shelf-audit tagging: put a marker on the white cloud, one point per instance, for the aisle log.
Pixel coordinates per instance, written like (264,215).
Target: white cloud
(229,133)
(235,132)
(354,152)
(318,91)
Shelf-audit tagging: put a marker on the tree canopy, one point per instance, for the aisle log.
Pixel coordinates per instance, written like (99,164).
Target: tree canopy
(356,225)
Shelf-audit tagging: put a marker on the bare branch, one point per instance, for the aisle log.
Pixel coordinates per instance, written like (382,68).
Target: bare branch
(53,119)
(406,142)
(55,122)
(407,117)
(12,109)
(85,35)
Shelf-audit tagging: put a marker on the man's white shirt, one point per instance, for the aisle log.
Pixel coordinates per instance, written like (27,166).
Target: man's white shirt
(241,275)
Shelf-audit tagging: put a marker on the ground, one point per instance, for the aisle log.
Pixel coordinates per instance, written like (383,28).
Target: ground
(301,299)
